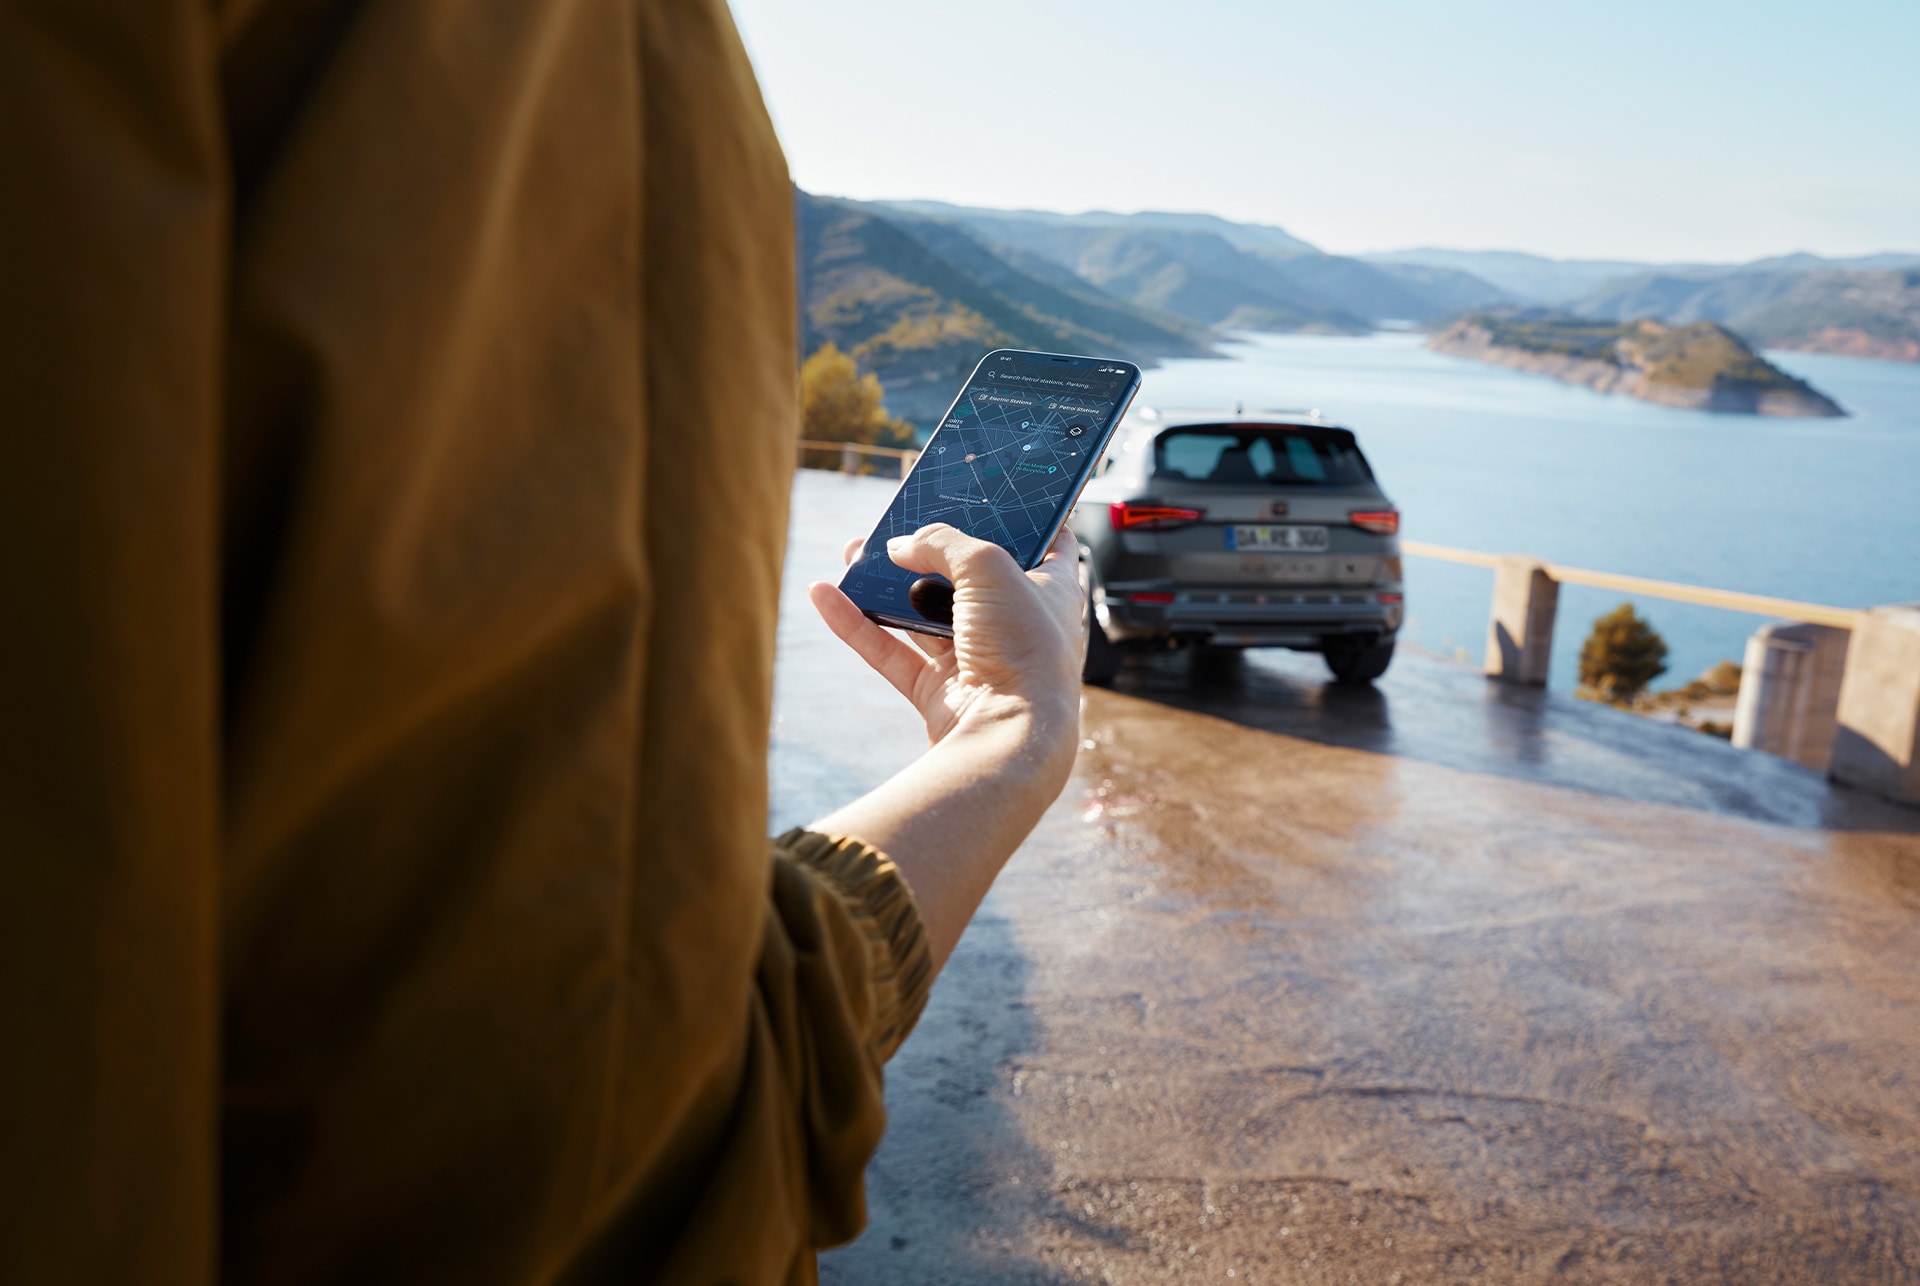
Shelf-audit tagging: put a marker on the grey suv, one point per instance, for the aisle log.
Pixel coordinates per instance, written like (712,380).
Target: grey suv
(1231,529)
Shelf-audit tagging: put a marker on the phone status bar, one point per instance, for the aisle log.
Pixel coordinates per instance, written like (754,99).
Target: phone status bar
(1103,382)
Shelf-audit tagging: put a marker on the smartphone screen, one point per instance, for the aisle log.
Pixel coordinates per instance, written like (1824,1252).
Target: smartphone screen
(1005,465)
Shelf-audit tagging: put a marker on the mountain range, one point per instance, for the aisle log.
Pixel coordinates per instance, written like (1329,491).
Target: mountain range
(1859,313)
(917,301)
(916,290)
(1536,279)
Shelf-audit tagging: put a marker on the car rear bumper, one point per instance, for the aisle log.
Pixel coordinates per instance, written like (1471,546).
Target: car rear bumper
(1243,617)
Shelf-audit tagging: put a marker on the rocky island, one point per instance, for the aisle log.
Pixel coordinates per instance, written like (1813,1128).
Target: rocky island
(1703,366)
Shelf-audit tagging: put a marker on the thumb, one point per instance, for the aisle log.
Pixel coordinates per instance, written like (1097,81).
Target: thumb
(945,550)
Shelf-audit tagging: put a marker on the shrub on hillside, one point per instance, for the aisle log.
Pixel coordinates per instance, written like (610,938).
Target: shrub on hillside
(838,404)
(1622,656)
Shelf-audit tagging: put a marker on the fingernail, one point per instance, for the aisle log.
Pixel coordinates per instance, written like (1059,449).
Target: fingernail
(895,542)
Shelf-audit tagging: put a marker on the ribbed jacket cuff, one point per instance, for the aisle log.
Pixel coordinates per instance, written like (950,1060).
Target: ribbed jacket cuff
(871,885)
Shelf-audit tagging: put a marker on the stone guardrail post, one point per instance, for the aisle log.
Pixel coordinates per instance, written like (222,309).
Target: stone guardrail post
(1878,742)
(1520,633)
(1789,699)
(908,459)
(849,459)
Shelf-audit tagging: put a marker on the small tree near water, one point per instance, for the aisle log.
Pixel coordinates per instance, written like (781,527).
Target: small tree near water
(1622,656)
(838,404)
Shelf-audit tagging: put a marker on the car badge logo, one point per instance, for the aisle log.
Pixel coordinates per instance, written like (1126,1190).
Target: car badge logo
(1279,508)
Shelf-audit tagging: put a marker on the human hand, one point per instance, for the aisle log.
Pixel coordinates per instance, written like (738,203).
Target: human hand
(1001,700)
(1018,637)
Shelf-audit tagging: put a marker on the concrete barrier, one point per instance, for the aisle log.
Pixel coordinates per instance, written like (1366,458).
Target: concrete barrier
(1520,632)
(1877,745)
(1790,692)
(854,455)
(1871,738)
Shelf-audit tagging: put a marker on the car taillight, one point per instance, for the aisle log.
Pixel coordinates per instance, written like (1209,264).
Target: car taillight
(1391,599)
(1381,522)
(1151,596)
(1126,517)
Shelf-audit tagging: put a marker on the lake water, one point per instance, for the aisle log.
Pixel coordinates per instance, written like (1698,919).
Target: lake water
(1476,456)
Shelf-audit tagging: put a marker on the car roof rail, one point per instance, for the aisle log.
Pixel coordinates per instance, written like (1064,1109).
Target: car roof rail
(1224,415)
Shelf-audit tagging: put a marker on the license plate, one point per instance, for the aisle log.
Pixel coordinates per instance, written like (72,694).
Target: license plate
(1293,537)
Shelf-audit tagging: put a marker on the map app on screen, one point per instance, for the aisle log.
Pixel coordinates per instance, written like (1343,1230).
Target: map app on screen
(1003,465)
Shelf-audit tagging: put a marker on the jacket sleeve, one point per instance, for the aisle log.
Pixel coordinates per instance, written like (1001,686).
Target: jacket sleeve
(843,974)
(848,915)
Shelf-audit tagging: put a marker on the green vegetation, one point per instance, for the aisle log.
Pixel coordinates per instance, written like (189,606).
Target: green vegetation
(1621,657)
(1703,355)
(1562,334)
(925,332)
(1723,680)
(1694,703)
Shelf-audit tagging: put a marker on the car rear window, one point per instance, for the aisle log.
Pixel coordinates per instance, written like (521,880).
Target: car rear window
(1244,457)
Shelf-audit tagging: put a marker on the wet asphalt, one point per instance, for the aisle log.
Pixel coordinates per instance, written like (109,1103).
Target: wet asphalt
(1433,981)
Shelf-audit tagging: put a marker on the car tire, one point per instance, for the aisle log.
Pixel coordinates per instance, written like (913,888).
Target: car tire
(1358,660)
(1210,661)
(1102,665)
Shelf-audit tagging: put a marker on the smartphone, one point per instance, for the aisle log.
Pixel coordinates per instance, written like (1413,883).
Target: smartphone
(1006,464)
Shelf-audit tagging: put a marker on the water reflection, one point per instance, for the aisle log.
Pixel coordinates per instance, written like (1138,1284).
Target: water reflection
(1446,713)
(1272,691)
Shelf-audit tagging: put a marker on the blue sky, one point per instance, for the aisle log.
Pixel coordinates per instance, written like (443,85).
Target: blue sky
(1662,131)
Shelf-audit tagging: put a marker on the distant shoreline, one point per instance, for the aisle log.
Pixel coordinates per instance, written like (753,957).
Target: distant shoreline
(1836,341)
(1702,367)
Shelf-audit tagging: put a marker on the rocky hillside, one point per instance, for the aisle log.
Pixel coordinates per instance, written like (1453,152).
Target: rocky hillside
(917,303)
(1703,366)
(1198,275)
(1855,313)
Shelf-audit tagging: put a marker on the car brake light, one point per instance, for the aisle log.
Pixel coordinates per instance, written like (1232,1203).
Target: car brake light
(1151,596)
(1127,517)
(1381,522)
(1391,599)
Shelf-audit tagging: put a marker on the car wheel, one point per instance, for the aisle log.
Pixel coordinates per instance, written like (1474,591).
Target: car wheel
(1210,661)
(1358,660)
(1102,665)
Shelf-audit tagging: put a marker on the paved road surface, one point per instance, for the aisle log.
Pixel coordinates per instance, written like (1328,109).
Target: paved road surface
(1434,982)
